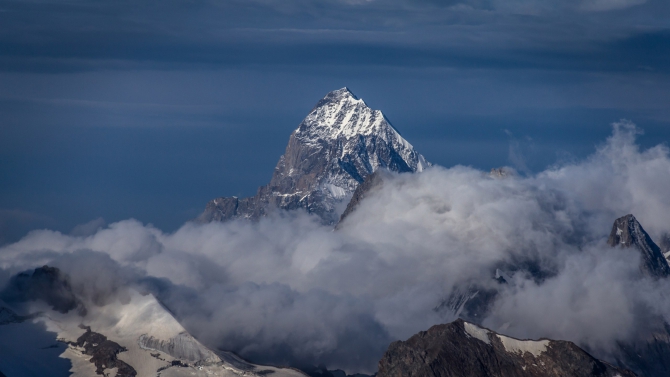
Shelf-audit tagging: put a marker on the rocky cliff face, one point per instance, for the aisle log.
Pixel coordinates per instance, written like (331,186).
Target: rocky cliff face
(627,232)
(336,146)
(462,349)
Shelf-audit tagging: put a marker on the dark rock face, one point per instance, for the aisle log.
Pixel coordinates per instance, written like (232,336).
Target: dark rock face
(104,353)
(461,349)
(627,232)
(336,146)
(47,284)
(174,363)
(371,183)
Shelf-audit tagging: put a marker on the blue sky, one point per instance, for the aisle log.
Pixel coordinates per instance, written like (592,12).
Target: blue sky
(148,110)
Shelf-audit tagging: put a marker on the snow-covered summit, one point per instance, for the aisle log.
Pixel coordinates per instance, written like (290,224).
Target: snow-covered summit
(341,113)
(340,142)
(343,140)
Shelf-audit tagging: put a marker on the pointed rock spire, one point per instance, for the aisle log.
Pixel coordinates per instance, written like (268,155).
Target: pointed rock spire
(627,232)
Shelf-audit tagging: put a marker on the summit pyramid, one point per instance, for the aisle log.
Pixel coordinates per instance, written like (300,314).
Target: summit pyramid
(333,150)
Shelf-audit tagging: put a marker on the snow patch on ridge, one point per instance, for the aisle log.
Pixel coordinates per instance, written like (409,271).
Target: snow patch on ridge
(347,116)
(477,332)
(336,191)
(535,347)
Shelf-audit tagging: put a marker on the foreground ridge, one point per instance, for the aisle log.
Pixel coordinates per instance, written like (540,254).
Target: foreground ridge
(135,338)
(462,349)
(333,150)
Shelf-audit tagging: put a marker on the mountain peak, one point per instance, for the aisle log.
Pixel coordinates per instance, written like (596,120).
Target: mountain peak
(342,92)
(340,114)
(628,232)
(338,144)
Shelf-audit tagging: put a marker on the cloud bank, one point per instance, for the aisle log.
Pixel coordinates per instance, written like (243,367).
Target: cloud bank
(287,290)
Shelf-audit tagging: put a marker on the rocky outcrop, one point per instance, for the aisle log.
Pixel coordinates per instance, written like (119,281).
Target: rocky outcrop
(462,349)
(104,353)
(627,232)
(47,284)
(332,151)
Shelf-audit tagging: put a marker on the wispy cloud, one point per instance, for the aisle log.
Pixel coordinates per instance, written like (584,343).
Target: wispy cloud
(607,5)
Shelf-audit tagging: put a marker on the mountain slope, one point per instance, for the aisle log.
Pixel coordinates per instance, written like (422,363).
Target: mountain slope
(462,349)
(338,144)
(138,337)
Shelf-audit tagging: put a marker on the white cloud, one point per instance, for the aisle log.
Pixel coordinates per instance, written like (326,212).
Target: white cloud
(287,289)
